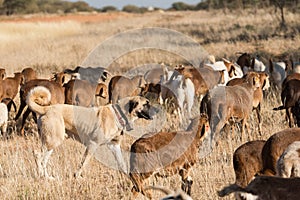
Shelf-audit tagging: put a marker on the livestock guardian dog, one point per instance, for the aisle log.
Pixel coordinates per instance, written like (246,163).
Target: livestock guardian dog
(92,127)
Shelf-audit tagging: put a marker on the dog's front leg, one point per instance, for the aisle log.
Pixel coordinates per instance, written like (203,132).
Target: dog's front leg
(86,157)
(116,149)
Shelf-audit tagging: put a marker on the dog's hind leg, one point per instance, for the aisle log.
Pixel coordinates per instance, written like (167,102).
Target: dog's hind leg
(86,157)
(41,161)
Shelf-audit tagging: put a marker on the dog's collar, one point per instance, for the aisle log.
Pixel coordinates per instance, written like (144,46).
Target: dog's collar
(121,117)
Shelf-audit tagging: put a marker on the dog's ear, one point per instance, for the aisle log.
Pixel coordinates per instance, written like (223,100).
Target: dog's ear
(132,105)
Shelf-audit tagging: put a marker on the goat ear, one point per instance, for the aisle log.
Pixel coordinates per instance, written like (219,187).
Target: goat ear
(132,105)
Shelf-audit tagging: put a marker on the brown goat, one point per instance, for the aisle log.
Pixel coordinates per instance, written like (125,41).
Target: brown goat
(267,188)
(290,96)
(121,86)
(79,92)
(57,96)
(102,92)
(230,104)
(274,148)
(29,74)
(10,86)
(258,93)
(247,162)
(173,152)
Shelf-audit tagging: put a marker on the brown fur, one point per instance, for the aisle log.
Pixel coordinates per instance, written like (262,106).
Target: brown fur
(169,152)
(29,74)
(2,73)
(275,146)
(247,161)
(79,93)
(230,103)
(121,86)
(268,188)
(290,95)
(257,94)
(10,87)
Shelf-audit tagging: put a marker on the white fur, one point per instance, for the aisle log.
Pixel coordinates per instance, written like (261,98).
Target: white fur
(3,118)
(288,165)
(183,89)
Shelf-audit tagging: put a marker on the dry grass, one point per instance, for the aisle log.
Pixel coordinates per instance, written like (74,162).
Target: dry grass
(53,46)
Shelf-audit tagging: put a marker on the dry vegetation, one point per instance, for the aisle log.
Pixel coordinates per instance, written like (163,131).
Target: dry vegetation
(50,46)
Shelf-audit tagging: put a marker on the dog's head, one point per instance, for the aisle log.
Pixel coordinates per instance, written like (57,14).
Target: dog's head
(139,107)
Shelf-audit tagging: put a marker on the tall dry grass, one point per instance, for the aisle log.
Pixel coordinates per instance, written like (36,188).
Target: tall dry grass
(53,46)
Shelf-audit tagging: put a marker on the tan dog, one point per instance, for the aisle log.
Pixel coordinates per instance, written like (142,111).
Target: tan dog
(92,127)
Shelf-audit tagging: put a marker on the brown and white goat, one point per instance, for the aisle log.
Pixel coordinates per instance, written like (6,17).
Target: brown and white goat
(225,104)
(275,146)
(288,165)
(204,78)
(121,86)
(267,188)
(57,96)
(258,93)
(167,153)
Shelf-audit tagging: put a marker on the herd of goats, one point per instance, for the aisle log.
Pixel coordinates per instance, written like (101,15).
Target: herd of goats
(228,93)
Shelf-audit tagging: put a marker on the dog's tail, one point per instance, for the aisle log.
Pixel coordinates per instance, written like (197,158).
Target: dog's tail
(38,99)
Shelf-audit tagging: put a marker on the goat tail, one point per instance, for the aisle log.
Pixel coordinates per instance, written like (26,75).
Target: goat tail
(38,99)
(230,189)
(204,104)
(279,108)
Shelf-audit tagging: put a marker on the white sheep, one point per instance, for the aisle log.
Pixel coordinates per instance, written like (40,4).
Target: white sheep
(288,165)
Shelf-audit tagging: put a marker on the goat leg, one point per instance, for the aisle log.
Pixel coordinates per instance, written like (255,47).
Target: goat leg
(259,118)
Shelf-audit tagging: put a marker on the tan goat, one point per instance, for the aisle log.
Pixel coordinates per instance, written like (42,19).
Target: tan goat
(225,104)
(167,153)
(274,148)
(258,93)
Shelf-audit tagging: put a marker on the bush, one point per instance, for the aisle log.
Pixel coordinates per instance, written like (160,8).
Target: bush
(182,6)
(133,9)
(108,9)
